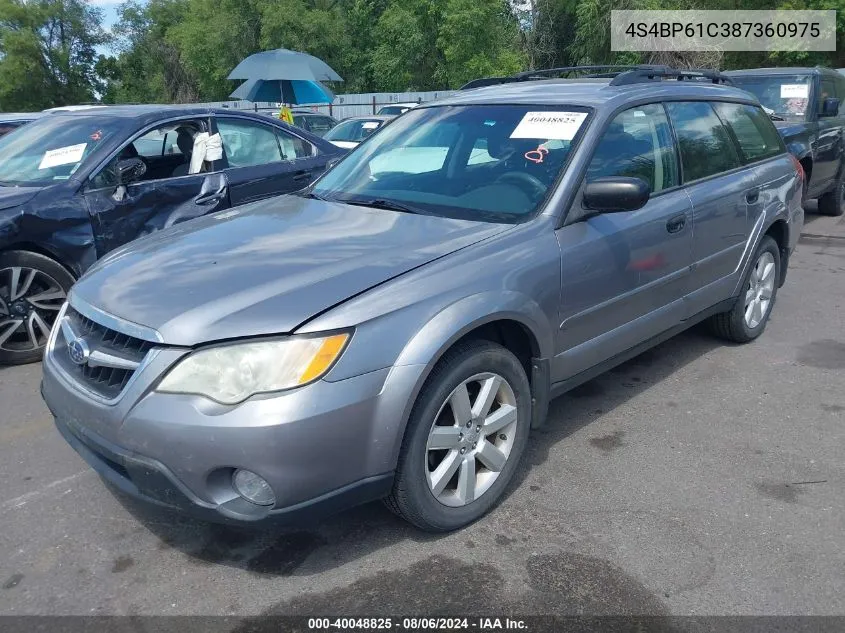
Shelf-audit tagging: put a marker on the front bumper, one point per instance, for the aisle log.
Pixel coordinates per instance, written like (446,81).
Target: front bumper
(323,447)
(152,482)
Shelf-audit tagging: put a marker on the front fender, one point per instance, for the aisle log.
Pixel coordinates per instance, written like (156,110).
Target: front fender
(454,321)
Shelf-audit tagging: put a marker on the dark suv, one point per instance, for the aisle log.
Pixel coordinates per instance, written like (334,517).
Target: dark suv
(396,329)
(808,108)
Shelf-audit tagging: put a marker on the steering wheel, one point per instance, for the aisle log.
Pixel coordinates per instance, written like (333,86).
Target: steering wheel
(531,185)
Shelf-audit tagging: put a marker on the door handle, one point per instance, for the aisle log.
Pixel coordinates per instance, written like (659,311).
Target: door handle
(302,175)
(752,196)
(673,225)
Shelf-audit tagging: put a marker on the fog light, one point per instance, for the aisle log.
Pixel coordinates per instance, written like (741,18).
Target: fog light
(253,488)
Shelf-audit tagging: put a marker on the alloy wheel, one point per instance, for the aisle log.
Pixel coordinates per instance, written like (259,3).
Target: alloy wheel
(30,300)
(471,439)
(761,287)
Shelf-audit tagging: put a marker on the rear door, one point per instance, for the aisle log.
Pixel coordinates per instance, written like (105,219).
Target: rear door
(264,160)
(165,195)
(624,275)
(721,191)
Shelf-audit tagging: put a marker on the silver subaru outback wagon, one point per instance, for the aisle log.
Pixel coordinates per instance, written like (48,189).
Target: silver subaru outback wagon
(395,330)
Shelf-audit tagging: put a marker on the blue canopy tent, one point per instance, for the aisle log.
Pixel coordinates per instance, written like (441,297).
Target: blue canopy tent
(284,76)
(290,91)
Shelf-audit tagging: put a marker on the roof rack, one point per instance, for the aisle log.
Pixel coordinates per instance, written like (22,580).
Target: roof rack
(619,75)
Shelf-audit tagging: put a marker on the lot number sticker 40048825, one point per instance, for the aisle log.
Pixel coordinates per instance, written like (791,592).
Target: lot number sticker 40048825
(560,126)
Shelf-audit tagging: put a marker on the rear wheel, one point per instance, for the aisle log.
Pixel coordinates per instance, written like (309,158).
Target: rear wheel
(33,288)
(749,316)
(466,434)
(833,202)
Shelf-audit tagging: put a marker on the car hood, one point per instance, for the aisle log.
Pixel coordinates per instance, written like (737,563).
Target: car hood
(265,268)
(15,196)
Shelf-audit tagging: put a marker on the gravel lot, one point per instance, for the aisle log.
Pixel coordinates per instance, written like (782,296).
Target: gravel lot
(698,478)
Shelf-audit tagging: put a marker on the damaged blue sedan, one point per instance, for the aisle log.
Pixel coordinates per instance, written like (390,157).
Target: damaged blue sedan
(74,186)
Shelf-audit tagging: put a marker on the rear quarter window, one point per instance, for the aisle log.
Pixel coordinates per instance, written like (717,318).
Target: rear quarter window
(753,129)
(706,147)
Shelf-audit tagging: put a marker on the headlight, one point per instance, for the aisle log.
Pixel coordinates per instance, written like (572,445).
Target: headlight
(232,373)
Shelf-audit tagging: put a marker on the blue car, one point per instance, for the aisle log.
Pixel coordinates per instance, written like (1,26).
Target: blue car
(75,185)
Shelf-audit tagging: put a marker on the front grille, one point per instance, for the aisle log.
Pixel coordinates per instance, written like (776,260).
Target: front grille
(102,379)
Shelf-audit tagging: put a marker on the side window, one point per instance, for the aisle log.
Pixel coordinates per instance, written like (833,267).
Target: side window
(247,143)
(166,150)
(753,129)
(638,143)
(828,90)
(294,147)
(706,147)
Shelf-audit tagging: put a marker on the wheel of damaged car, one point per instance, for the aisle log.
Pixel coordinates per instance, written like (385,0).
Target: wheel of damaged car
(466,434)
(33,288)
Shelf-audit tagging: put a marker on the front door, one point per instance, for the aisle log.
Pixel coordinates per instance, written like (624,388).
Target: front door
(164,195)
(624,275)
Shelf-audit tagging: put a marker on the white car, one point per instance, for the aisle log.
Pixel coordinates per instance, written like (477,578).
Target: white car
(395,109)
(350,132)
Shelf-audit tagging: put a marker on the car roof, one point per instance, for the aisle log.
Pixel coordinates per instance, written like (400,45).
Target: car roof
(370,117)
(19,116)
(590,93)
(150,113)
(784,70)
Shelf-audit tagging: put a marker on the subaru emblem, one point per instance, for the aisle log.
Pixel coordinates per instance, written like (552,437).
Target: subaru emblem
(78,351)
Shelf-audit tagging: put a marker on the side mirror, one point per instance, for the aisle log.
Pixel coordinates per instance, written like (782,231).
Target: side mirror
(130,170)
(612,194)
(830,107)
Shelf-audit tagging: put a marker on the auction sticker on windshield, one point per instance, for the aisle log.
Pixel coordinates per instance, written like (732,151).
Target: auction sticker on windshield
(63,156)
(794,91)
(561,126)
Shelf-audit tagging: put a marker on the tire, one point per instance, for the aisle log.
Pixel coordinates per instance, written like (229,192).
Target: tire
(833,202)
(476,365)
(734,325)
(24,326)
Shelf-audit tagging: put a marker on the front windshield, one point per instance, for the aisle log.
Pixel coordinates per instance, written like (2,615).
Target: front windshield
(787,96)
(51,148)
(480,162)
(353,131)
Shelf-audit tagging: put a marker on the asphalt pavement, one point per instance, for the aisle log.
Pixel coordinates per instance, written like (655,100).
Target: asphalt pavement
(698,478)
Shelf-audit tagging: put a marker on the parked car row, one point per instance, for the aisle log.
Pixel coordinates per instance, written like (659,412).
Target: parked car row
(395,329)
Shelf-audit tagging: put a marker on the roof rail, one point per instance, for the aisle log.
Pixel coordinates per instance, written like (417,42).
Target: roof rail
(642,74)
(619,75)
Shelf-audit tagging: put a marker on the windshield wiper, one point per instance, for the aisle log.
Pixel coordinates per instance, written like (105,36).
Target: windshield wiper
(381,203)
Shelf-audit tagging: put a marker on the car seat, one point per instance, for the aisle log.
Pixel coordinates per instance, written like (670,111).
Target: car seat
(185,143)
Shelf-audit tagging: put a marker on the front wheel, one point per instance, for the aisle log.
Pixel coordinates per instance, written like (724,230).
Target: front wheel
(33,288)
(467,432)
(747,319)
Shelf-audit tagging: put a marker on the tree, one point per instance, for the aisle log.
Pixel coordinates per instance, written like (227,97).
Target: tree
(48,53)
(478,38)
(149,67)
